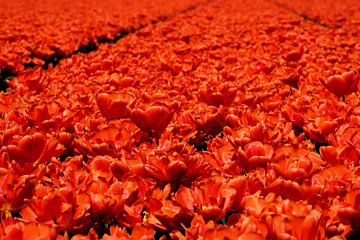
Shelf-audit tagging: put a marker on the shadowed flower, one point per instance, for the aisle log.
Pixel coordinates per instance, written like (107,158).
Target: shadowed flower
(15,192)
(218,95)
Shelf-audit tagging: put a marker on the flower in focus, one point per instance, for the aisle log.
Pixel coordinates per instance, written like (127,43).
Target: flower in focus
(344,84)
(154,118)
(113,106)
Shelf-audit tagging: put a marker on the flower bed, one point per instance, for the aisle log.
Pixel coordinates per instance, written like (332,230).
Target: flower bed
(237,120)
(344,14)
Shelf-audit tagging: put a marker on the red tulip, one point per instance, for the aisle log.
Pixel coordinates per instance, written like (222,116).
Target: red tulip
(342,85)
(114,106)
(211,121)
(118,169)
(213,199)
(253,205)
(292,80)
(294,55)
(176,168)
(142,232)
(298,168)
(339,155)
(172,216)
(250,236)
(17,193)
(219,95)
(264,66)
(255,154)
(294,191)
(122,82)
(154,118)
(332,180)
(351,213)
(32,150)
(22,231)
(116,233)
(91,235)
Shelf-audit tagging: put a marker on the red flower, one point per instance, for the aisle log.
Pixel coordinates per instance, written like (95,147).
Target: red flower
(218,95)
(171,215)
(320,129)
(113,106)
(22,231)
(339,155)
(64,209)
(116,233)
(343,84)
(211,120)
(294,55)
(15,192)
(155,118)
(264,66)
(351,214)
(255,154)
(212,199)
(177,168)
(332,180)
(33,150)
(142,232)
(298,168)
(293,227)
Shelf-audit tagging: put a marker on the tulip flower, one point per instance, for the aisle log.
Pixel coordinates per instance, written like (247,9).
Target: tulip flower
(114,106)
(219,95)
(15,197)
(339,155)
(351,213)
(298,169)
(342,85)
(320,129)
(155,118)
(33,150)
(172,216)
(176,168)
(264,66)
(255,154)
(294,55)
(212,199)
(211,124)
(22,231)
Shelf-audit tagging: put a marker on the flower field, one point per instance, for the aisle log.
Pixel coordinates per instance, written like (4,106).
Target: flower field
(35,34)
(222,119)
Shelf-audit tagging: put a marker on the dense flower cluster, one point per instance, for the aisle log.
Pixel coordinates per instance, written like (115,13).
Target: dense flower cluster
(33,33)
(334,14)
(236,120)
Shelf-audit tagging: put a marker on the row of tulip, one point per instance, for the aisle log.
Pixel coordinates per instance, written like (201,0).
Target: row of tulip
(34,33)
(237,120)
(344,14)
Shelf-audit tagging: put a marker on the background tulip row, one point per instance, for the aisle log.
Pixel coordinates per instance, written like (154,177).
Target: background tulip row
(41,32)
(344,14)
(235,120)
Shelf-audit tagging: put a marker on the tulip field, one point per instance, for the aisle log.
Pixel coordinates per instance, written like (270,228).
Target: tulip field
(181,119)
